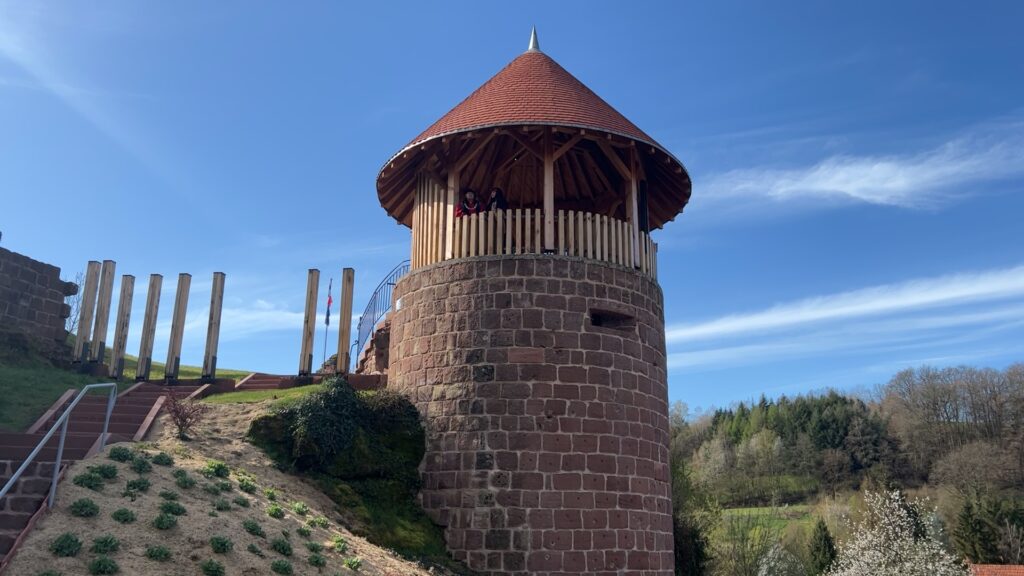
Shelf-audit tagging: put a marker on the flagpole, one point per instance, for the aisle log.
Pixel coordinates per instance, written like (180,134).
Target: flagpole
(327,320)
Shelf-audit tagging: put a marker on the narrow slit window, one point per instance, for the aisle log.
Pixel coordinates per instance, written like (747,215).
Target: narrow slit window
(612,320)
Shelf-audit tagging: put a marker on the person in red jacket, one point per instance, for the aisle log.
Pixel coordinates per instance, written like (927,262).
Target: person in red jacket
(469,204)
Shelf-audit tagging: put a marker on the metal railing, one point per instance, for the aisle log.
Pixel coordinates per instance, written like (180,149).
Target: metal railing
(62,421)
(379,305)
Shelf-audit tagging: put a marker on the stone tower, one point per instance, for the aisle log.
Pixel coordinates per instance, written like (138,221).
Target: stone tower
(531,336)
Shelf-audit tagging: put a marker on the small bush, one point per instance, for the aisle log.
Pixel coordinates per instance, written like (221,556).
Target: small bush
(215,469)
(314,547)
(300,508)
(120,454)
(281,546)
(169,495)
(158,553)
(179,473)
(66,545)
(317,560)
(255,550)
(103,565)
(212,514)
(141,465)
(281,567)
(185,414)
(105,471)
(184,481)
(353,563)
(241,501)
(212,568)
(221,544)
(165,522)
(172,507)
(123,516)
(211,488)
(303,531)
(275,511)
(221,505)
(253,527)
(246,485)
(105,544)
(84,508)
(163,459)
(90,480)
(138,485)
(270,493)
(225,486)
(339,545)
(318,522)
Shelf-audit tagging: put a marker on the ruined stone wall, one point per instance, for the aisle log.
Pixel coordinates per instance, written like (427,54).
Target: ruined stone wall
(32,301)
(543,388)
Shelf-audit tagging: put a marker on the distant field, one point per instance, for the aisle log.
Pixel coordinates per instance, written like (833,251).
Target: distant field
(779,518)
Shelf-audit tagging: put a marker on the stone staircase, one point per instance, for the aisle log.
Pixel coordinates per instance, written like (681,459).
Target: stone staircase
(260,381)
(133,415)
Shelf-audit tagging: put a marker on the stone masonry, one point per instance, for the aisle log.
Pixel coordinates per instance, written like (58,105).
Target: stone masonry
(542,384)
(32,301)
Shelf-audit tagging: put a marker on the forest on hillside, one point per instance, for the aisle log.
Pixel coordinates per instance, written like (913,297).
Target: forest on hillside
(941,448)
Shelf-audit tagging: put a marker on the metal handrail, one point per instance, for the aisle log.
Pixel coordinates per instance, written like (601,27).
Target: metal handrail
(379,305)
(62,421)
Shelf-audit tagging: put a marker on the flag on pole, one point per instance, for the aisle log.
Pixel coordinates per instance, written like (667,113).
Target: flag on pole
(330,286)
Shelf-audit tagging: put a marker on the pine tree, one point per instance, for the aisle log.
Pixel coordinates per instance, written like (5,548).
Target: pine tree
(975,533)
(821,548)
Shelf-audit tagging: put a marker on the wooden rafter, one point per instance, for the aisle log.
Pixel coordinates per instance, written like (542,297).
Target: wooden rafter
(530,145)
(567,146)
(613,157)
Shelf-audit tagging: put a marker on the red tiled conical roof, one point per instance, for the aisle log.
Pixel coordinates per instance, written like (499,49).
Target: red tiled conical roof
(533,89)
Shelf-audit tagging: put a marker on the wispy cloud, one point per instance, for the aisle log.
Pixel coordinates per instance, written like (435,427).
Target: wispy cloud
(923,179)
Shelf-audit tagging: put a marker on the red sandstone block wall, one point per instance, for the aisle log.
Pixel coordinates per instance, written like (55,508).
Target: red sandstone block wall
(543,387)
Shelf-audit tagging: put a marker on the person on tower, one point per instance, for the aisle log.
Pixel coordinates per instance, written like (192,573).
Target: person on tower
(469,205)
(497,201)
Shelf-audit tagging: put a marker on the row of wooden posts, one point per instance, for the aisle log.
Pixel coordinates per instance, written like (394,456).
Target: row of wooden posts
(342,361)
(94,314)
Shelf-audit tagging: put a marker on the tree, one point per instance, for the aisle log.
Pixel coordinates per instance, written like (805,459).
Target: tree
(821,549)
(976,531)
(74,302)
(895,538)
(694,516)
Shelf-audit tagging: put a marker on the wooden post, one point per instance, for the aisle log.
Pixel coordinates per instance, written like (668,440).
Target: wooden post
(549,195)
(449,212)
(85,311)
(99,331)
(177,327)
(213,327)
(124,316)
(348,281)
(309,323)
(631,208)
(149,327)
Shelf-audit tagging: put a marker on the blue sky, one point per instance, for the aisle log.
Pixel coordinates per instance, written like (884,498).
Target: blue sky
(858,168)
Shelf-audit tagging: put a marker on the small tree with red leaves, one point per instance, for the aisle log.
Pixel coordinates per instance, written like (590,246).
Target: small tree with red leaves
(185,413)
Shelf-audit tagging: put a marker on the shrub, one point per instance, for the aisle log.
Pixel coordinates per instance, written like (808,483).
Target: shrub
(168,495)
(314,547)
(120,454)
(163,459)
(185,414)
(270,493)
(224,486)
(255,550)
(66,545)
(123,516)
(212,568)
(158,553)
(325,423)
(300,508)
(215,468)
(84,508)
(275,511)
(253,527)
(246,485)
(317,561)
(210,488)
(353,563)
(165,522)
(303,531)
(221,544)
(212,514)
(318,522)
(105,471)
(281,546)
(105,544)
(281,567)
(339,544)
(221,505)
(184,481)
(103,565)
(141,465)
(179,473)
(90,480)
(172,507)
(138,485)
(241,501)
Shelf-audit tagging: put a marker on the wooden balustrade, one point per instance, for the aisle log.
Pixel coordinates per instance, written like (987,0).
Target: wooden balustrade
(521,231)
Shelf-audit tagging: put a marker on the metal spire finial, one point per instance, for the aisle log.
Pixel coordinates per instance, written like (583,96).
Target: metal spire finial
(534,45)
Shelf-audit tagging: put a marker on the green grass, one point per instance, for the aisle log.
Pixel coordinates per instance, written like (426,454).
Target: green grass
(283,397)
(781,517)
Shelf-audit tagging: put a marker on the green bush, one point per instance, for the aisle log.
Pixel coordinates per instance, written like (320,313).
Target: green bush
(90,480)
(215,468)
(105,544)
(299,508)
(103,565)
(221,544)
(275,511)
(183,480)
(211,488)
(163,459)
(123,516)
(84,508)
(66,545)
(224,486)
(314,547)
(281,567)
(169,495)
(138,485)
(212,568)
(339,545)
(141,465)
(241,501)
(255,550)
(172,507)
(246,485)
(105,471)
(281,546)
(317,561)
(179,473)
(221,505)
(120,454)
(253,527)
(158,553)
(353,563)
(165,522)
(270,493)
(318,522)
(303,531)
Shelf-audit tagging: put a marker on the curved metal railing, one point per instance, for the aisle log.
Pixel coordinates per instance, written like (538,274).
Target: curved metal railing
(379,305)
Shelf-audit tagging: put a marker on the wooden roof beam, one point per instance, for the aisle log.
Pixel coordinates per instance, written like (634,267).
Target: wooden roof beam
(567,146)
(530,145)
(613,157)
